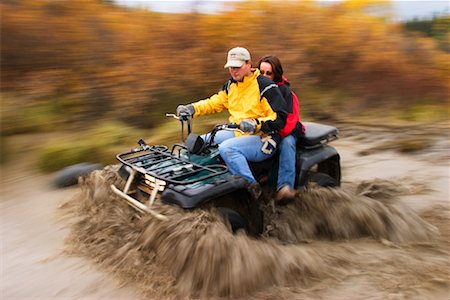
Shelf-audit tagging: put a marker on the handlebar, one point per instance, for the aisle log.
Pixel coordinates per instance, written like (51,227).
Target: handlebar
(228,126)
(233,126)
(185,117)
(171,115)
(182,117)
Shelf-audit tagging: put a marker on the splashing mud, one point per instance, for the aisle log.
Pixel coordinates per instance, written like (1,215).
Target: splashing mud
(194,254)
(336,214)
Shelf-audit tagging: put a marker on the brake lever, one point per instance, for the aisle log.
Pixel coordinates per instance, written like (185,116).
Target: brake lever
(181,117)
(172,116)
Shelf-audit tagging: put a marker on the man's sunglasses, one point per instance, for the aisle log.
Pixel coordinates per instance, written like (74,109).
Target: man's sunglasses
(268,73)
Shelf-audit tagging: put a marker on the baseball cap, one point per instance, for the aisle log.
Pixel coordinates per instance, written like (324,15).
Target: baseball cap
(237,57)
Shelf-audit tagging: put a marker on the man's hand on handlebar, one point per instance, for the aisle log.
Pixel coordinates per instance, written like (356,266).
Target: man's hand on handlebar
(187,110)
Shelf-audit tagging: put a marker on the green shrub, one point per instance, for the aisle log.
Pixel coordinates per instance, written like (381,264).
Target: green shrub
(57,156)
(110,133)
(425,113)
(97,145)
(29,120)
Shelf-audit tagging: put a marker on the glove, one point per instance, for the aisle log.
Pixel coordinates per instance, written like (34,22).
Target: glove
(269,145)
(248,125)
(185,110)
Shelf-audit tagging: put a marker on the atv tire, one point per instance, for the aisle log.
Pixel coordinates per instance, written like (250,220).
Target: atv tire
(69,175)
(232,217)
(322,179)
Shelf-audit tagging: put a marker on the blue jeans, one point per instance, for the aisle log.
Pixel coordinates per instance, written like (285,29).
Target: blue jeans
(286,168)
(236,151)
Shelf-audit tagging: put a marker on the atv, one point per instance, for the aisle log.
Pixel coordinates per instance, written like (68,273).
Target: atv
(192,174)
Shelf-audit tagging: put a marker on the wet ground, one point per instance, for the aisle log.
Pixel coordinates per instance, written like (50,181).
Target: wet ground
(384,235)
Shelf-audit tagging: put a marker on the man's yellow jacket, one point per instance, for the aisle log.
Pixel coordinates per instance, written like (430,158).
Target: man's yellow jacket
(256,97)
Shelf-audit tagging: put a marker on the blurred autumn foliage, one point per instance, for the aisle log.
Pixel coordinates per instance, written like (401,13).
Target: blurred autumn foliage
(437,28)
(74,62)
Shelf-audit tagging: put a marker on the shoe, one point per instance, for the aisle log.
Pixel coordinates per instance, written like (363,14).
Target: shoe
(285,195)
(254,190)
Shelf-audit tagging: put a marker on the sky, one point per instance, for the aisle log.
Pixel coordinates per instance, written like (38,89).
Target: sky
(204,6)
(404,9)
(408,9)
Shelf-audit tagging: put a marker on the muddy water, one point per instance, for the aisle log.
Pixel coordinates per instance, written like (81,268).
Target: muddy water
(305,244)
(384,235)
(33,262)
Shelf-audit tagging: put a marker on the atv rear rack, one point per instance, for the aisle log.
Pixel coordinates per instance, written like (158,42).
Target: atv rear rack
(158,167)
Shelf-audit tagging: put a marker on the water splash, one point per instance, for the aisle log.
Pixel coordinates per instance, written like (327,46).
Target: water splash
(194,254)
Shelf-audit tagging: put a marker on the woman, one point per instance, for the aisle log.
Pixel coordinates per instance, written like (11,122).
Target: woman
(270,66)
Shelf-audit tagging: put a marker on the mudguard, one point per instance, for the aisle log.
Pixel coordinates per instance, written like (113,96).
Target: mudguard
(326,157)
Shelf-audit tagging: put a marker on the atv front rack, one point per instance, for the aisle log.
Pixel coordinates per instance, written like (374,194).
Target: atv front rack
(159,163)
(154,167)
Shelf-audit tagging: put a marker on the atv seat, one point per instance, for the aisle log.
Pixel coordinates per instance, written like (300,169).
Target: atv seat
(316,135)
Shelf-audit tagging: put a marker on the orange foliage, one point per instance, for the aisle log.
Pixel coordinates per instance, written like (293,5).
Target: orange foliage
(121,62)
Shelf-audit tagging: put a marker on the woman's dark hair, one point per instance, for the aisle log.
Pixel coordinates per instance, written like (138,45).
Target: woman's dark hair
(276,66)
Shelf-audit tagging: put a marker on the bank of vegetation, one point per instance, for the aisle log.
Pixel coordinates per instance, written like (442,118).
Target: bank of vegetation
(69,65)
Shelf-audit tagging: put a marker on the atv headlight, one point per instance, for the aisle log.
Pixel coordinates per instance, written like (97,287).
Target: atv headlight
(152,181)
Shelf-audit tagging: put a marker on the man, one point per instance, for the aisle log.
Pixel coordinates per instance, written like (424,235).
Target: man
(254,102)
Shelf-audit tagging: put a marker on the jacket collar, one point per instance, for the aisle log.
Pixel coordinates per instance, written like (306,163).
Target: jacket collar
(284,80)
(247,79)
